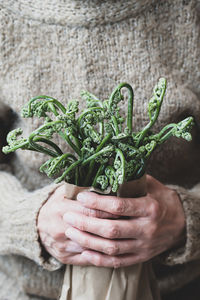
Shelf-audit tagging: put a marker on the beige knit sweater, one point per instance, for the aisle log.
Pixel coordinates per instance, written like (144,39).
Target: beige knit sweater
(57,48)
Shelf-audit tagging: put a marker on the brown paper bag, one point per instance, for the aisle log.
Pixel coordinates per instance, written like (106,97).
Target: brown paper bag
(135,282)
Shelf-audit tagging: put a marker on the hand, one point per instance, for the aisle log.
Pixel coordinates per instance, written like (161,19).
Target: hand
(156,223)
(52,228)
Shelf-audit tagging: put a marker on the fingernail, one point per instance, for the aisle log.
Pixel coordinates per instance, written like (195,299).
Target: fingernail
(69,219)
(82,197)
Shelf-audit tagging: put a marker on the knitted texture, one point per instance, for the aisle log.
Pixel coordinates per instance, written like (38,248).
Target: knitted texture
(76,13)
(185,259)
(60,47)
(191,206)
(18,232)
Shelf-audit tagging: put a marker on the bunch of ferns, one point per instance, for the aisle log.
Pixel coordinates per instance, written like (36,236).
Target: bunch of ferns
(106,151)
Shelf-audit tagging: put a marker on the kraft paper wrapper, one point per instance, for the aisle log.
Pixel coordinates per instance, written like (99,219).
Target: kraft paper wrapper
(99,283)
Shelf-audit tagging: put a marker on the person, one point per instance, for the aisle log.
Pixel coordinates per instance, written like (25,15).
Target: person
(58,48)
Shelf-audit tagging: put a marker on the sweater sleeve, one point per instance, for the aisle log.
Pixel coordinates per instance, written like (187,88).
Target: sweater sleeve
(190,250)
(18,221)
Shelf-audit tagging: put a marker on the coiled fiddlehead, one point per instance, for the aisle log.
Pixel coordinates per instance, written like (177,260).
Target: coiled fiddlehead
(105,154)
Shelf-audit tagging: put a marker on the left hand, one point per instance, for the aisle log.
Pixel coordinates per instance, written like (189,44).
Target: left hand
(156,223)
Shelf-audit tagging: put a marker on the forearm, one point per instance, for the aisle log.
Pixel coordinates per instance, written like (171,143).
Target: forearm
(19,211)
(190,249)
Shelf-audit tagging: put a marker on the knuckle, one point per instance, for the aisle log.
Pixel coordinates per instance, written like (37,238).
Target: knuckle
(155,210)
(93,213)
(88,212)
(94,200)
(97,214)
(97,261)
(116,262)
(119,206)
(113,231)
(85,242)
(112,249)
(81,225)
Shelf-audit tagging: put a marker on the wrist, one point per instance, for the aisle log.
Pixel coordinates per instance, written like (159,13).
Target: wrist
(180,236)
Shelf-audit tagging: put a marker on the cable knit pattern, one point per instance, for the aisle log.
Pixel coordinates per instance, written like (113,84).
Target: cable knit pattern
(60,47)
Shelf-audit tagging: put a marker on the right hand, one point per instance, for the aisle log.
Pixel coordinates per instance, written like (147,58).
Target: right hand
(52,227)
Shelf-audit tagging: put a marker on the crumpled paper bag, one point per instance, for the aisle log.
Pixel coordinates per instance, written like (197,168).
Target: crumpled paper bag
(135,282)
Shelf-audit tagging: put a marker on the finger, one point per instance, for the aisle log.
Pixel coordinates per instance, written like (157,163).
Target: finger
(47,240)
(111,229)
(55,230)
(71,259)
(71,205)
(69,247)
(73,247)
(136,207)
(103,260)
(60,246)
(66,204)
(76,260)
(61,250)
(109,247)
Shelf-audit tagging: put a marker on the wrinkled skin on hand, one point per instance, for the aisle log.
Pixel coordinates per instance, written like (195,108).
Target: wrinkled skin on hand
(51,227)
(153,224)
(112,231)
